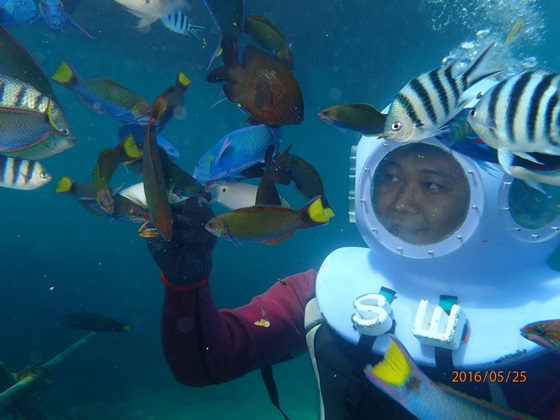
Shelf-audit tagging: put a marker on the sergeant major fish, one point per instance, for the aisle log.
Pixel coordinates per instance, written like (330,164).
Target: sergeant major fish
(520,115)
(177,21)
(22,174)
(430,100)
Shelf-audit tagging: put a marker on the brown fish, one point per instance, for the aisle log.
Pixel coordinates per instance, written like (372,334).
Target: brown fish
(363,118)
(264,87)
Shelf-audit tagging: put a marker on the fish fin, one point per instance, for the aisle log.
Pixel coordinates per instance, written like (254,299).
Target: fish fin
(279,241)
(316,211)
(159,108)
(64,185)
(82,30)
(394,370)
(329,212)
(130,148)
(65,74)
(479,69)
(535,185)
(227,145)
(89,206)
(182,80)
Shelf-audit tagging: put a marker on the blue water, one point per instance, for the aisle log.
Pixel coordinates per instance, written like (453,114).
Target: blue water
(56,258)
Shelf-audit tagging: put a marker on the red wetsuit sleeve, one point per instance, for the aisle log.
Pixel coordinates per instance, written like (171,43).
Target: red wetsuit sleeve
(204,345)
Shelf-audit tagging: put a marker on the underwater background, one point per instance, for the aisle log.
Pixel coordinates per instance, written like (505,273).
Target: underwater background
(56,258)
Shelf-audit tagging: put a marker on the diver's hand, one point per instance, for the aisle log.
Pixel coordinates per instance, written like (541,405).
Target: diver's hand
(187,258)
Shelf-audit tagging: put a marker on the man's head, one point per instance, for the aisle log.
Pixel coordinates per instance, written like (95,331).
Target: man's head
(420,193)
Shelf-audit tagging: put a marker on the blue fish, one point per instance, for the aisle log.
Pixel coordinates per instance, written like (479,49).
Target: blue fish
(235,152)
(56,16)
(137,132)
(13,12)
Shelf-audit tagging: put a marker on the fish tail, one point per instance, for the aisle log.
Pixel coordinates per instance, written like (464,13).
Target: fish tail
(316,211)
(479,68)
(183,80)
(130,148)
(64,186)
(65,74)
(394,370)
(329,212)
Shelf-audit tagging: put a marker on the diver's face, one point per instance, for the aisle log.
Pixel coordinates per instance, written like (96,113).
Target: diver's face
(420,193)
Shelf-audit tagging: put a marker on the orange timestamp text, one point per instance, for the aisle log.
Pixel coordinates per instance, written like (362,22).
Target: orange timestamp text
(478,376)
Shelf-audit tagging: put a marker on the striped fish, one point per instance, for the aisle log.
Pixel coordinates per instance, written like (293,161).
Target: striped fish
(178,22)
(22,174)
(32,124)
(520,115)
(544,333)
(426,103)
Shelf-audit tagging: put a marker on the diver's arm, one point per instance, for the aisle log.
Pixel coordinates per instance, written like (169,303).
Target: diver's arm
(205,346)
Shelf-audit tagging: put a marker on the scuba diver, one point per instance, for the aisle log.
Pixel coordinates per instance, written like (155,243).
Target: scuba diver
(460,257)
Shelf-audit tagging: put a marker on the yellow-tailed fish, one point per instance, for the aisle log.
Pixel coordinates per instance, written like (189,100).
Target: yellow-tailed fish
(22,174)
(154,185)
(267,35)
(32,125)
(544,333)
(103,95)
(398,376)
(169,103)
(107,163)
(363,118)
(267,224)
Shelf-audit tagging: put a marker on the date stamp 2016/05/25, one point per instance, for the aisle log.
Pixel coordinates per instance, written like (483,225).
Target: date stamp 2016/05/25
(477,376)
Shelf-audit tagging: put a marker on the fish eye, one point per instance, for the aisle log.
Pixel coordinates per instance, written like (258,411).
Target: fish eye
(396,126)
(65,131)
(473,112)
(44,175)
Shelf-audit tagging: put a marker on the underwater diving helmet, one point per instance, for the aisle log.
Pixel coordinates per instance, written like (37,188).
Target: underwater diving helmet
(495,259)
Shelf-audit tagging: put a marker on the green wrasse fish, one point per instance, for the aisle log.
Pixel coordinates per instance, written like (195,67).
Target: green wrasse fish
(267,224)
(107,163)
(104,96)
(92,322)
(544,333)
(154,185)
(170,102)
(124,208)
(264,87)
(32,125)
(398,376)
(150,10)
(267,35)
(426,103)
(363,118)
(22,174)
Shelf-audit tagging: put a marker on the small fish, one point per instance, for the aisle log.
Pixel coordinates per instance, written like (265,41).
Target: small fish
(263,87)
(22,174)
(267,224)
(107,163)
(32,125)
(544,333)
(515,29)
(170,102)
(229,18)
(430,100)
(104,96)
(274,173)
(267,35)
(177,21)
(362,118)
(150,10)
(398,376)
(235,152)
(125,208)
(92,322)
(520,115)
(236,195)
(305,177)
(57,17)
(13,12)
(155,189)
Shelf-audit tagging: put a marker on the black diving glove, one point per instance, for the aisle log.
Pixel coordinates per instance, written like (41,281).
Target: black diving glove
(187,258)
